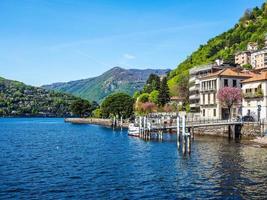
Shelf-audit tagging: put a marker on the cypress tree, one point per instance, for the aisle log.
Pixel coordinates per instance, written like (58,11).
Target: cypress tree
(164,93)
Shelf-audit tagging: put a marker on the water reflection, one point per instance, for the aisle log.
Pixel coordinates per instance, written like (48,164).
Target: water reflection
(48,159)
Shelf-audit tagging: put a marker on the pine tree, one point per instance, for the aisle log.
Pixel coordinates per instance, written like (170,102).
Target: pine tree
(164,93)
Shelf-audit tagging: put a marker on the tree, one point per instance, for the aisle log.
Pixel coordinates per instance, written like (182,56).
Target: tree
(164,94)
(143,98)
(154,97)
(97,113)
(145,108)
(228,96)
(81,108)
(153,83)
(118,104)
(247,66)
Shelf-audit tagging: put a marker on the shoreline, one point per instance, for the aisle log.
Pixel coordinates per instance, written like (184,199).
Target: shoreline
(96,121)
(260,141)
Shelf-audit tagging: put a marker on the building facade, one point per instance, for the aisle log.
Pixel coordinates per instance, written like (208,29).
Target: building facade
(196,74)
(243,58)
(210,107)
(259,59)
(255,96)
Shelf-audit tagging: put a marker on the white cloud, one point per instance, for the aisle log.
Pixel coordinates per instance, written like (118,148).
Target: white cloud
(128,56)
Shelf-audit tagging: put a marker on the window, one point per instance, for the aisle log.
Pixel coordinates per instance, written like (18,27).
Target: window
(208,98)
(203,112)
(214,112)
(225,82)
(234,83)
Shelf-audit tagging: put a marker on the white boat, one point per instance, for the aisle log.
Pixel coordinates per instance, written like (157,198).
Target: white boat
(133,130)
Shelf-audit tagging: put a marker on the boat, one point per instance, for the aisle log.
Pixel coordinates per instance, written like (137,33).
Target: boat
(133,130)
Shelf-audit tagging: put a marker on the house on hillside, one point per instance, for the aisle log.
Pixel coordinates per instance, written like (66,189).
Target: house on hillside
(244,57)
(196,74)
(255,96)
(210,107)
(257,58)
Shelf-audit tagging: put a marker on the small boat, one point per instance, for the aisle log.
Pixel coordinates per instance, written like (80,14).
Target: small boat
(133,130)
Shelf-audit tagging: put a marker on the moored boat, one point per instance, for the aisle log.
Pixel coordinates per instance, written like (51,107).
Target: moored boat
(133,130)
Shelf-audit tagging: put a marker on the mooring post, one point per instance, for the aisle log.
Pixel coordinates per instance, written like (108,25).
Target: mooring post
(121,122)
(140,126)
(189,143)
(114,122)
(183,134)
(178,131)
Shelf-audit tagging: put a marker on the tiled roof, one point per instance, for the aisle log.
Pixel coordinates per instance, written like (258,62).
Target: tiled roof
(257,77)
(231,72)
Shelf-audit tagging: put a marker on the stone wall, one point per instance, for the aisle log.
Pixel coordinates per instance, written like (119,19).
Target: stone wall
(251,130)
(97,121)
(247,130)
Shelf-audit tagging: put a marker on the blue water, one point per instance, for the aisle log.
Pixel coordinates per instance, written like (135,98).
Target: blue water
(50,159)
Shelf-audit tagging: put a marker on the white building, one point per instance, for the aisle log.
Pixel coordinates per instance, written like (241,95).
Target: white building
(210,107)
(259,59)
(194,82)
(255,90)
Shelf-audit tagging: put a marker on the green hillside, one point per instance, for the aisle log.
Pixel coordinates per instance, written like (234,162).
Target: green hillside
(251,27)
(18,99)
(115,80)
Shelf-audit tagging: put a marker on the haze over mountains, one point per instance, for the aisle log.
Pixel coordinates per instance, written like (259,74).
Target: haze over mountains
(116,79)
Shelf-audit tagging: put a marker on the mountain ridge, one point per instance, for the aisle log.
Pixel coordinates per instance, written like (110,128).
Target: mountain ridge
(19,99)
(117,79)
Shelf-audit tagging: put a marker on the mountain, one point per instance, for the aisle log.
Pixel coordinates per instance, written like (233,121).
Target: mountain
(18,99)
(251,27)
(115,80)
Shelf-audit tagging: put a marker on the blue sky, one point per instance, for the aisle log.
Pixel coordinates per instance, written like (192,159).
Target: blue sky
(46,41)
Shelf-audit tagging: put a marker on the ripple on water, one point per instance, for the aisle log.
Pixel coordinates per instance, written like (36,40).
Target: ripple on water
(48,159)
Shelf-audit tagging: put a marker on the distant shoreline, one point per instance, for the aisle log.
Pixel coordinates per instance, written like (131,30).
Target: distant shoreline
(97,121)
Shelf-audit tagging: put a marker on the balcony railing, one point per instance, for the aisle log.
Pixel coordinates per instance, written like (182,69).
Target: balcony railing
(250,95)
(194,96)
(207,89)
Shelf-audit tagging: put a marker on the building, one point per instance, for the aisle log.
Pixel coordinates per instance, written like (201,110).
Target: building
(210,107)
(259,59)
(244,57)
(194,85)
(255,99)
(194,82)
(178,101)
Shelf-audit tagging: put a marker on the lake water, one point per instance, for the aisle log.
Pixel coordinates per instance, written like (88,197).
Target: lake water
(50,159)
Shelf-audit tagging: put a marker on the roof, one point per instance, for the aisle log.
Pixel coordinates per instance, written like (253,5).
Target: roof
(230,72)
(257,77)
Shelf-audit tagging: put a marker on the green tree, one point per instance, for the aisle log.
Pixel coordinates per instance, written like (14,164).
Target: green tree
(97,113)
(118,104)
(247,66)
(154,97)
(81,108)
(143,98)
(153,83)
(164,94)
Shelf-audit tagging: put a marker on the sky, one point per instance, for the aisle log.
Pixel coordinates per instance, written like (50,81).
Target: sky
(47,41)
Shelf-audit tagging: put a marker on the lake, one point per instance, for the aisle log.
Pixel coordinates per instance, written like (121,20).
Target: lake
(50,159)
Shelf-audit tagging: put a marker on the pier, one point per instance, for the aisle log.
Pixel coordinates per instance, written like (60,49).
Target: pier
(155,126)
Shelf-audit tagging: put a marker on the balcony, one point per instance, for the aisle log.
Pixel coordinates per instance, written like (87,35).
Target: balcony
(194,105)
(207,89)
(194,87)
(194,96)
(255,95)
